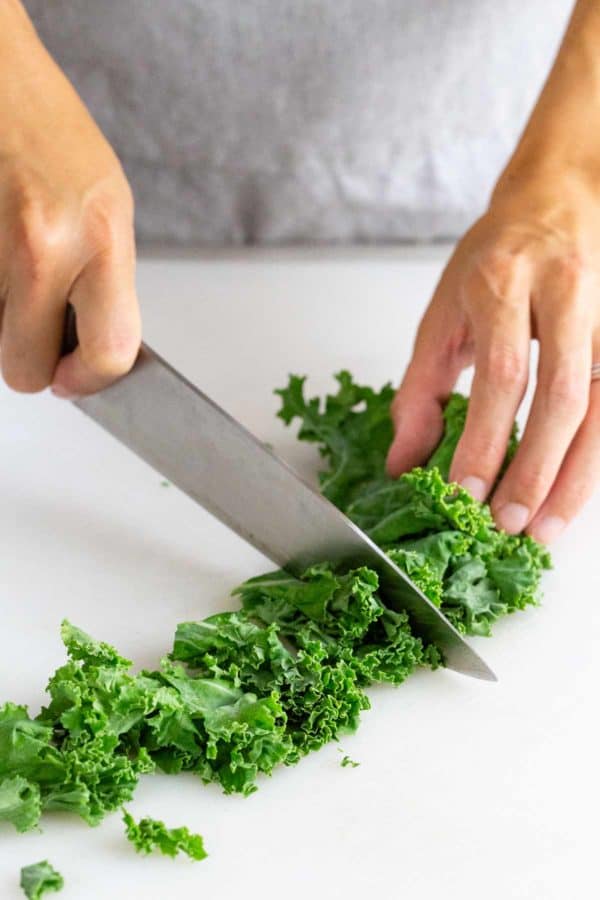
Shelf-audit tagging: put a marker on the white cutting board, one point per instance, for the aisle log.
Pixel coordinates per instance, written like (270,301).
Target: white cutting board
(464,790)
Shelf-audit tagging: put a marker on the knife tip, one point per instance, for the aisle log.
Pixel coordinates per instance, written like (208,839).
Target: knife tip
(472,666)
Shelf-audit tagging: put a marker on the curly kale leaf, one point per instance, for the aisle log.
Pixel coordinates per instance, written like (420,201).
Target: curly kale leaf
(151,834)
(435,531)
(354,628)
(352,427)
(416,503)
(315,642)
(20,802)
(235,733)
(40,878)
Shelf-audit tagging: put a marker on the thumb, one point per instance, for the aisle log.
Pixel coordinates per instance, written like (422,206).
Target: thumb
(108,329)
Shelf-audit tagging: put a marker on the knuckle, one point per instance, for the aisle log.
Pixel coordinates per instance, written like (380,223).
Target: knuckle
(497,261)
(39,239)
(111,355)
(578,493)
(566,391)
(108,219)
(567,290)
(504,367)
(532,482)
(572,264)
(101,230)
(481,452)
(39,223)
(496,267)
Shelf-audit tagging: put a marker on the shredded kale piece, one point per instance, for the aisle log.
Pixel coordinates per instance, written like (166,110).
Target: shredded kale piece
(347,761)
(151,834)
(241,693)
(40,878)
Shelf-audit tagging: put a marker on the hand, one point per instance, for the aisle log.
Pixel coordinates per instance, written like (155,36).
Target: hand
(527,269)
(66,228)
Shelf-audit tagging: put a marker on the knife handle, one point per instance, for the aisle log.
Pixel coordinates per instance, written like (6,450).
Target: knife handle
(70,340)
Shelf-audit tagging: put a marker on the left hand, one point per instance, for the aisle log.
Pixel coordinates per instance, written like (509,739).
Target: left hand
(529,268)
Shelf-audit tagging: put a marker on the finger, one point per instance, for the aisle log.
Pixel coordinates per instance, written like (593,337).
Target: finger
(499,304)
(442,350)
(559,405)
(108,328)
(32,322)
(577,478)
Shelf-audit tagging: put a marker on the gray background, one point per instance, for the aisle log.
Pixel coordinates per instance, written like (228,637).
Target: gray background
(285,121)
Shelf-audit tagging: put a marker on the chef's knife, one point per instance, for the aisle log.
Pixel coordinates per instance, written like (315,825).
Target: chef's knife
(190,440)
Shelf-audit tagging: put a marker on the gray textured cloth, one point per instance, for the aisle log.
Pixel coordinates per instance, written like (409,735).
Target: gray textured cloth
(306,120)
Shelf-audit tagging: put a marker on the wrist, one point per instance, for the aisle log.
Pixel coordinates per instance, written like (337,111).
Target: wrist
(544,172)
(560,143)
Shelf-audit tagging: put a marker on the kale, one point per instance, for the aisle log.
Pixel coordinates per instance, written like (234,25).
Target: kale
(434,530)
(352,427)
(40,878)
(19,802)
(346,761)
(150,834)
(241,693)
(245,691)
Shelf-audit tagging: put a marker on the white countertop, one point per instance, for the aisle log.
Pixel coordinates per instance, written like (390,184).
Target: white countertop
(464,790)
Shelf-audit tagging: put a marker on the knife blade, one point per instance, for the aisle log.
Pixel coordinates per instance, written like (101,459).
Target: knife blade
(197,446)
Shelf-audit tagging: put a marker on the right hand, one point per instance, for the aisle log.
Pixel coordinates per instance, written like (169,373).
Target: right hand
(66,228)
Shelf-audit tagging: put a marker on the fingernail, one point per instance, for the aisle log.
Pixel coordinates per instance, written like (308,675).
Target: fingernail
(512,517)
(547,529)
(475,486)
(59,391)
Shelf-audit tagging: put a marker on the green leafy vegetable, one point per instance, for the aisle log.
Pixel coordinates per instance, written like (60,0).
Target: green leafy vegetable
(444,539)
(150,834)
(313,642)
(243,692)
(40,878)
(354,431)
(347,761)
(19,802)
